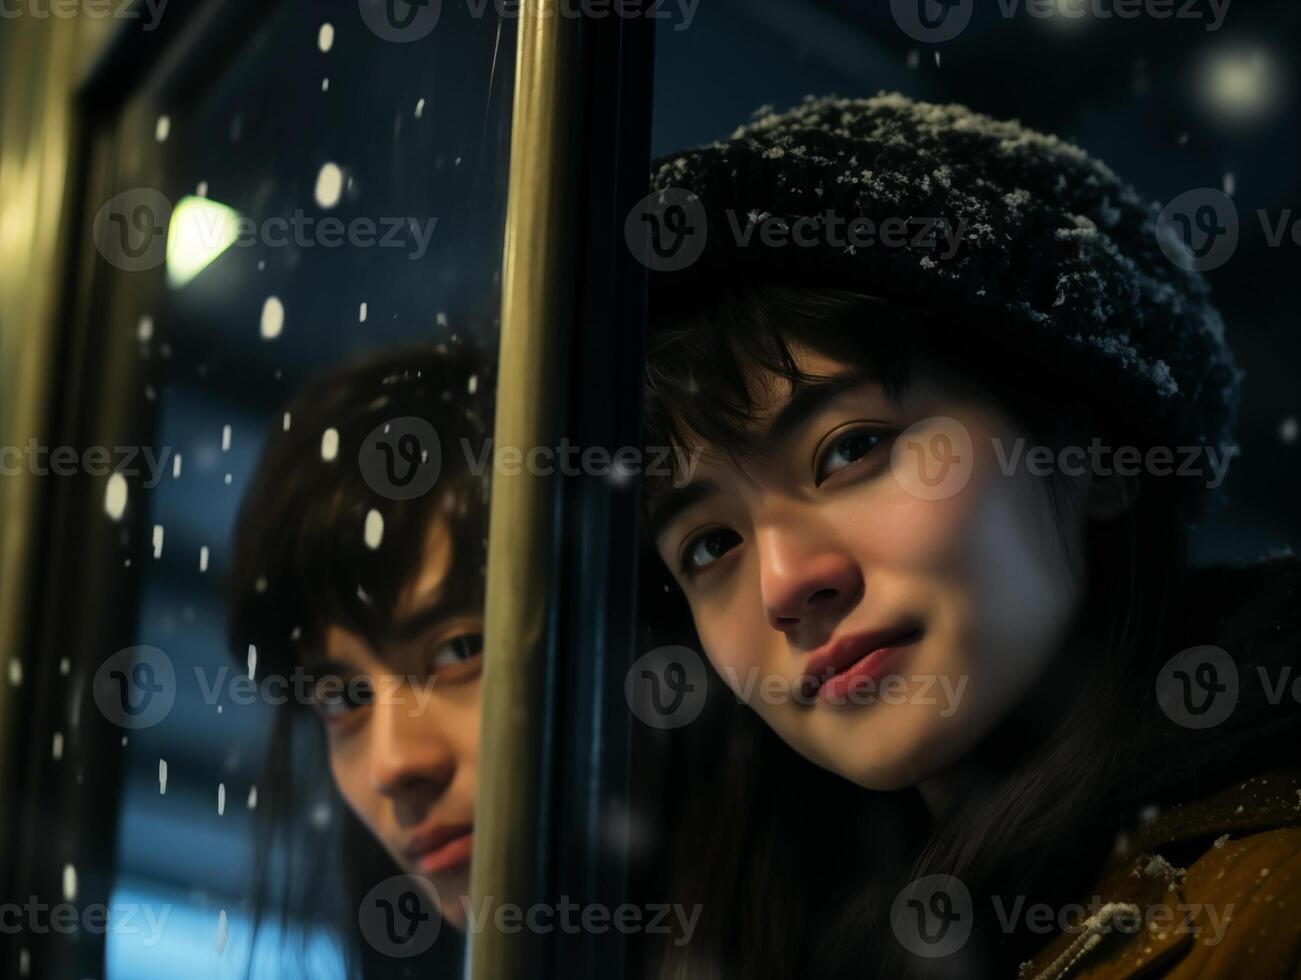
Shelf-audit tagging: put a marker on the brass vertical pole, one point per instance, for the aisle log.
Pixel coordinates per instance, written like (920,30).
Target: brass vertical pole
(537,291)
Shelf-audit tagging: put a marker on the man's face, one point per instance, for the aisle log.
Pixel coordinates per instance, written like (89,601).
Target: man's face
(921,618)
(406,762)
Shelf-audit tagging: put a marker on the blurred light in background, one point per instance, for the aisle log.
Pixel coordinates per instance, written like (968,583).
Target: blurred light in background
(199,232)
(1069,15)
(1242,85)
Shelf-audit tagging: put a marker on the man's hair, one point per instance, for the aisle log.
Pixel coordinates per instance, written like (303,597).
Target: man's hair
(301,561)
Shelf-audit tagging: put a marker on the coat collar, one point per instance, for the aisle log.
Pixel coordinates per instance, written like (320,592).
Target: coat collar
(1139,905)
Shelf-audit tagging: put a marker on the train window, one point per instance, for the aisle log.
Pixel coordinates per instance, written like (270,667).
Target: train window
(647,489)
(321,662)
(258,749)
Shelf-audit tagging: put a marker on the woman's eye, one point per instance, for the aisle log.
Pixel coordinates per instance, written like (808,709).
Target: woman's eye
(846,450)
(457,650)
(708,548)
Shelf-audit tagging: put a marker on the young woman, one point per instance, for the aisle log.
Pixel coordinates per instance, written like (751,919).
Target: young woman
(996,724)
(357,578)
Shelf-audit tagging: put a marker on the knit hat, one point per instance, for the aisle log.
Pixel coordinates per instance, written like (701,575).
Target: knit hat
(1003,230)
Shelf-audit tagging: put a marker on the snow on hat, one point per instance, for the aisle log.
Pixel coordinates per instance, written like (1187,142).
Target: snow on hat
(1057,258)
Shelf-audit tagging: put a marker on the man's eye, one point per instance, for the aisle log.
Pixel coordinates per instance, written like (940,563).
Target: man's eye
(704,550)
(336,697)
(846,450)
(458,650)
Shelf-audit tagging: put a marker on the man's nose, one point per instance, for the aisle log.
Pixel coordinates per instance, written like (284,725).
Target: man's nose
(412,759)
(805,578)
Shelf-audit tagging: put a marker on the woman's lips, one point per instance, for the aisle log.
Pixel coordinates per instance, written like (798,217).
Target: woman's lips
(854,661)
(444,851)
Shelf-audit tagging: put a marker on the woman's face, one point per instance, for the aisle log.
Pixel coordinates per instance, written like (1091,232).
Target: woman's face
(406,762)
(873,583)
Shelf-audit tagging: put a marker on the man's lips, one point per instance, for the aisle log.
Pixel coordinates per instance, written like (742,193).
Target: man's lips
(834,669)
(442,848)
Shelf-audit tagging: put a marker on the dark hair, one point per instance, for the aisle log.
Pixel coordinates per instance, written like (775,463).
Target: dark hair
(301,564)
(1054,773)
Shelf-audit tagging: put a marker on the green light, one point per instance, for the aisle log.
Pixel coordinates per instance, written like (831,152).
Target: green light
(200,231)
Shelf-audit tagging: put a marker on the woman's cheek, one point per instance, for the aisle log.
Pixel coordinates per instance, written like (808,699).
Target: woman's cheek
(901,522)
(893,528)
(728,631)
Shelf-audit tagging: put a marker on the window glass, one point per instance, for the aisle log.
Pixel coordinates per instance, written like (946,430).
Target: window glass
(297,266)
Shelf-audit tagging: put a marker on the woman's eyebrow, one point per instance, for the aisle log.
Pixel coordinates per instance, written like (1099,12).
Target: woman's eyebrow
(806,401)
(672,502)
(810,398)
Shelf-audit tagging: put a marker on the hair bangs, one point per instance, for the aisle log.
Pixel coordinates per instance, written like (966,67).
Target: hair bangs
(711,350)
(303,559)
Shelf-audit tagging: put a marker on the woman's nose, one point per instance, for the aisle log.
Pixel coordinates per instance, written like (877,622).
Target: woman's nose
(804,580)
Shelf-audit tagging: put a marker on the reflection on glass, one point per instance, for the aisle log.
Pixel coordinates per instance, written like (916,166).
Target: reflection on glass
(356,589)
(200,230)
(317,349)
